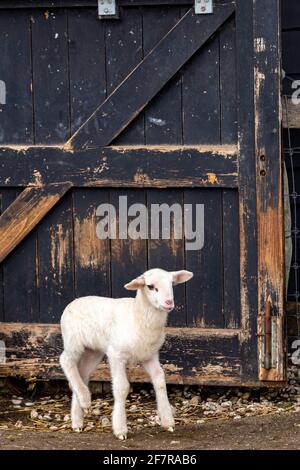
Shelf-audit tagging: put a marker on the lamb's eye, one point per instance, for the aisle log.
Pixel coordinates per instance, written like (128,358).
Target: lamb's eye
(151,287)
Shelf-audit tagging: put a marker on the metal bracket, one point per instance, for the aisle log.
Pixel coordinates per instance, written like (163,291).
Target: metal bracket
(203,7)
(107,9)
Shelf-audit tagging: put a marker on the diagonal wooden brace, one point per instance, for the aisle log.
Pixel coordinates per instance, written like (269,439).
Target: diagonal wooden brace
(26,212)
(127,101)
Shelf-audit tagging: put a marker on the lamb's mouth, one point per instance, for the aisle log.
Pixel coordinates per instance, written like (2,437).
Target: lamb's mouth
(167,309)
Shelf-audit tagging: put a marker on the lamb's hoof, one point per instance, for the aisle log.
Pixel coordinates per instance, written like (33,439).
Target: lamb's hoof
(170,429)
(122,437)
(77,429)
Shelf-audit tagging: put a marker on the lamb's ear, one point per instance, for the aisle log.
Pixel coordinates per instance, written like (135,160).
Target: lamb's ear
(135,283)
(181,276)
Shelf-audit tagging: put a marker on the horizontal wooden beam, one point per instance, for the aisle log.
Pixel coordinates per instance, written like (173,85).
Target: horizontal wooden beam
(290,114)
(188,356)
(160,167)
(135,92)
(25,213)
(92,3)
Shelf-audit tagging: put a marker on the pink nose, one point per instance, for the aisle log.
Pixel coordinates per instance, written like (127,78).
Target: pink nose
(169,303)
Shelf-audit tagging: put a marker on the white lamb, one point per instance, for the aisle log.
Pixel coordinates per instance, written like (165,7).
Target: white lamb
(128,331)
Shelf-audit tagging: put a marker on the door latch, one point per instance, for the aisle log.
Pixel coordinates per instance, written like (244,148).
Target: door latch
(107,9)
(203,7)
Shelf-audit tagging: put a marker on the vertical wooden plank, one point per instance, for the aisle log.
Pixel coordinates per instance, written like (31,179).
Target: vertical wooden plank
(128,256)
(15,70)
(163,118)
(87,64)
(231,248)
(50,76)
(52,126)
(271,277)
(169,254)
(201,96)
(205,293)
(91,254)
(20,275)
(19,301)
(231,259)
(55,251)
(228,84)
(247,188)
(124,50)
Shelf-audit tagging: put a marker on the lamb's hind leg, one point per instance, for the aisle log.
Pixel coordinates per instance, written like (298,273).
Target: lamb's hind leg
(88,363)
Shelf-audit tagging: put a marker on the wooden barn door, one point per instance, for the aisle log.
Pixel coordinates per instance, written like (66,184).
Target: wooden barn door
(161,106)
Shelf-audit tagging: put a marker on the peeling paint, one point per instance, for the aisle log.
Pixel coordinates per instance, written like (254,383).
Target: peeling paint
(259,45)
(141,178)
(38,181)
(222,150)
(212,178)
(60,241)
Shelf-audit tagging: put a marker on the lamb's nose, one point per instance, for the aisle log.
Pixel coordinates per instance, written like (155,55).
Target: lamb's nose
(169,302)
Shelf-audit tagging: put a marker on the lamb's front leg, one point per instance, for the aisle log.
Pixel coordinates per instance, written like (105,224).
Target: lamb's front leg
(157,376)
(120,387)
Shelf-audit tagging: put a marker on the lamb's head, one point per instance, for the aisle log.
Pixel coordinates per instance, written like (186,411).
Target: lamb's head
(157,286)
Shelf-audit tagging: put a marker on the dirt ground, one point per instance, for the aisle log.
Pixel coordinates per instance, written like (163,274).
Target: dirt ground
(257,432)
(206,419)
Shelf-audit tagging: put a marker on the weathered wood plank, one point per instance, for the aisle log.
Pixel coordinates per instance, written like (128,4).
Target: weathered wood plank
(228,87)
(207,166)
(271,275)
(16,122)
(86,64)
(56,261)
(231,259)
(124,40)
(50,77)
(92,258)
(128,256)
(188,356)
(247,187)
(201,96)
(93,3)
(163,115)
(205,293)
(20,281)
(25,213)
(135,92)
(169,254)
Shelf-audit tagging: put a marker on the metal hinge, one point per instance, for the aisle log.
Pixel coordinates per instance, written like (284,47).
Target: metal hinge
(107,9)
(203,7)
